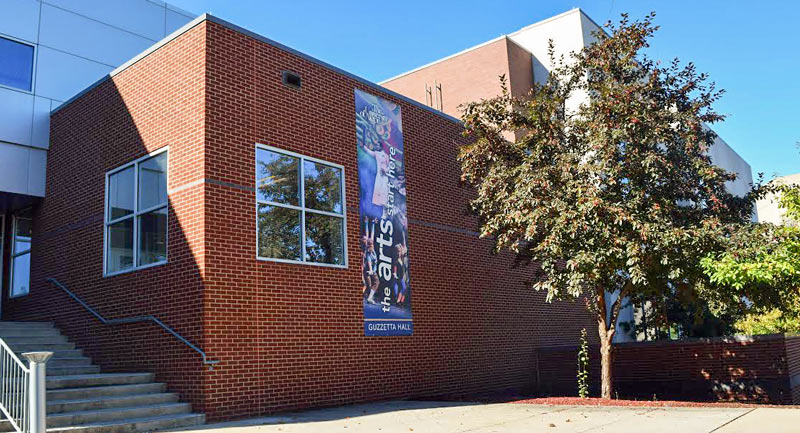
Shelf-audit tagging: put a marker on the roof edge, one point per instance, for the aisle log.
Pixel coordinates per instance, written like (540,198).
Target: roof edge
(327,65)
(602,28)
(464,51)
(507,36)
(208,17)
(546,20)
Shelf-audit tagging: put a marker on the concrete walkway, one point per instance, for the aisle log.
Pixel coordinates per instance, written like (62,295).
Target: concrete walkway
(433,417)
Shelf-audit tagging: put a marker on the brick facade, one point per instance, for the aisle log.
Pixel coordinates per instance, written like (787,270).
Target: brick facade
(471,75)
(763,369)
(288,336)
(158,102)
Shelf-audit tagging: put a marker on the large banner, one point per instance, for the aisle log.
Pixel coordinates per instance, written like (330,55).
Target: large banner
(384,226)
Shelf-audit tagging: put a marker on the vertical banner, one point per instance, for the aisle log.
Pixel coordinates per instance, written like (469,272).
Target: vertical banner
(384,226)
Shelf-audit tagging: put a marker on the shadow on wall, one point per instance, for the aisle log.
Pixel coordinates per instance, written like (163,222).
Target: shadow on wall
(94,134)
(756,369)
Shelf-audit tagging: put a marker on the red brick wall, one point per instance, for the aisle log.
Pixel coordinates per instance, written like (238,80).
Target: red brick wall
(157,102)
(751,369)
(793,364)
(470,76)
(287,335)
(291,336)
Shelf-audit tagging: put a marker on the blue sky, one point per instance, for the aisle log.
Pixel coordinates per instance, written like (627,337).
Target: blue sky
(751,49)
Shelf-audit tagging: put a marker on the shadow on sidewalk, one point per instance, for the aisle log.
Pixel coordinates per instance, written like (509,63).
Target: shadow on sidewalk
(334,413)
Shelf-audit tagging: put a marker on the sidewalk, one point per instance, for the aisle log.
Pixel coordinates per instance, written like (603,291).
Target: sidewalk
(425,417)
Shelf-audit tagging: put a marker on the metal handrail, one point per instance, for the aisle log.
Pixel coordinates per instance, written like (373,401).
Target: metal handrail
(14,399)
(155,320)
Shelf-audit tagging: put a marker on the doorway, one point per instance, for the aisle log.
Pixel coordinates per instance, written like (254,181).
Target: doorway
(2,258)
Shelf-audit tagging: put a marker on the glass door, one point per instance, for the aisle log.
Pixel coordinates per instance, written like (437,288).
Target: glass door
(21,235)
(2,257)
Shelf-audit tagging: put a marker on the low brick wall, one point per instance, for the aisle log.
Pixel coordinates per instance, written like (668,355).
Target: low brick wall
(763,369)
(793,363)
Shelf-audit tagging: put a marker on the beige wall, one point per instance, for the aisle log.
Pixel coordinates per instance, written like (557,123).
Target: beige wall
(768,209)
(520,69)
(470,75)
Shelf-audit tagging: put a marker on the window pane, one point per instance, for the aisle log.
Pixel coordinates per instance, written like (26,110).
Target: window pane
(324,239)
(153,182)
(278,233)
(277,177)
(120,193)
(21,275)
(23,233)
(120,246)
(16,64)
(153,237)
(323,185)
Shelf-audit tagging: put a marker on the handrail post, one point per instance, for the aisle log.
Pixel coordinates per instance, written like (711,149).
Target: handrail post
(37,362)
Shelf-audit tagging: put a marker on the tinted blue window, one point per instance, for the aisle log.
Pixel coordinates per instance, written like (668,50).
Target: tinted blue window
(16,64)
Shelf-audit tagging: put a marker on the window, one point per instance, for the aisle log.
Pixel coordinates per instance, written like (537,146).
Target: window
(136,215)
(22,232)
(16,64)
(299,209)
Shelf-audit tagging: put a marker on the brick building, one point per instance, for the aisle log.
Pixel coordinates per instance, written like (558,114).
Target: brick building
(167,197)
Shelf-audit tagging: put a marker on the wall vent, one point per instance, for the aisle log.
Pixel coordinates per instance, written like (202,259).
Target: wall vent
(291,79)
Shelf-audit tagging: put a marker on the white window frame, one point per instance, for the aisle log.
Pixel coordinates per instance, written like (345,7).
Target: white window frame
(33,65)
(15,254)
(135,215)
(302,208)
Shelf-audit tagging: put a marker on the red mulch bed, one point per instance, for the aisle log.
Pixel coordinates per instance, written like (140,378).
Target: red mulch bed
(576,401)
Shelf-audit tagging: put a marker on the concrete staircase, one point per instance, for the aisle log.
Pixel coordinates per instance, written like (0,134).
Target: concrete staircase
(81,399)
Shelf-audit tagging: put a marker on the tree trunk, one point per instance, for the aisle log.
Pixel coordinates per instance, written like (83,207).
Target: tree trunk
(606,362)
(606,328)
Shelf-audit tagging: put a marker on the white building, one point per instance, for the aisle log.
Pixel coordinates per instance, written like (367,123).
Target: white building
(49,51)
(768,208)
(573,30)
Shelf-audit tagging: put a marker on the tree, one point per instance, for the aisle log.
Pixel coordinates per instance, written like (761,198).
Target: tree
(761,266)
(607,186)
(682,315)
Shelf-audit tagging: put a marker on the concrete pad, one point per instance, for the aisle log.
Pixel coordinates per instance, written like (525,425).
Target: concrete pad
(772,420)
(669,420)
(621,420)
(434,417)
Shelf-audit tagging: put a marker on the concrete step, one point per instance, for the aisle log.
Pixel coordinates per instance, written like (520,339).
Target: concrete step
(136,425)
(59,406)
(68,361)
(87,380)
(54,370)
(28,332)
(104,391)
(40,347)
(80,399)
(24,325)
(116,414)
(63,354)
(48,339)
